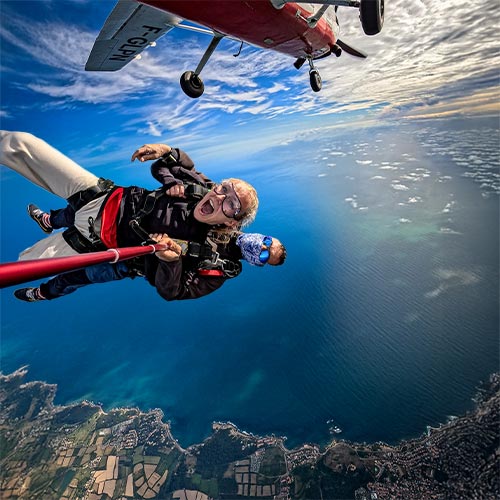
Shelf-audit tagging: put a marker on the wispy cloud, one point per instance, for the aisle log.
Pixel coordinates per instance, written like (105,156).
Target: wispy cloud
(451,278)
(426,51)
(431,59)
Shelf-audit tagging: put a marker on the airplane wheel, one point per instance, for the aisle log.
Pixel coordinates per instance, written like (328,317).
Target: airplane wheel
(371,13)
(315,79)
(192,84)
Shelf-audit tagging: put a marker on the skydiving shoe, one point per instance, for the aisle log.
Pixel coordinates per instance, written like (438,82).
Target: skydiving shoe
(40,217)
(29,294)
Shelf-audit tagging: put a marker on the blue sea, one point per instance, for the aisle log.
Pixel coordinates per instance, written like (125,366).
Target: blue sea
(384,319)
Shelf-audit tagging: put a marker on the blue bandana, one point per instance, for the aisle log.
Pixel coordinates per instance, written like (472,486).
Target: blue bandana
(251,247)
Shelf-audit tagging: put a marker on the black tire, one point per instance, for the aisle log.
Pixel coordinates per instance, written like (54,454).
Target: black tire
(315,80)
(371,13)
(192,84)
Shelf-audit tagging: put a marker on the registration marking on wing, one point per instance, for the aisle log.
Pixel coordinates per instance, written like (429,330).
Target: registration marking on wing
(129,29)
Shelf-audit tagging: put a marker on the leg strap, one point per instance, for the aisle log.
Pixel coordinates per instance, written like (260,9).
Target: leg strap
(80,199)
(79,243)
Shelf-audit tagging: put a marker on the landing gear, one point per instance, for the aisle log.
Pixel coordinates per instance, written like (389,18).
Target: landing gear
(371,13)
(314,77)
(192,84)
(315,80)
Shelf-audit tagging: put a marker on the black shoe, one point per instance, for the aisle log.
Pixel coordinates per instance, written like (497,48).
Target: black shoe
(28,294)
(40,217)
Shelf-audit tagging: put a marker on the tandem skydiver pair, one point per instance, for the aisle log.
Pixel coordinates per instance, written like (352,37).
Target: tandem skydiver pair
(101,215)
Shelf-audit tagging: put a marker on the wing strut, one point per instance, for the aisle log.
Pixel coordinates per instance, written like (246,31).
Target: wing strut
(14,273)
(191,82)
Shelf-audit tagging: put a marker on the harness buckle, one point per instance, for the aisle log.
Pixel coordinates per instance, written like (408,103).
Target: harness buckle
(230,268)
(215,258)
(194,249)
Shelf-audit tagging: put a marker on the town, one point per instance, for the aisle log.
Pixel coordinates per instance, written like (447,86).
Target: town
(81,452)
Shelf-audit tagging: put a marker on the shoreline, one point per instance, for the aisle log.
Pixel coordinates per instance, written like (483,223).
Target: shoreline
(80,450)
(322,444)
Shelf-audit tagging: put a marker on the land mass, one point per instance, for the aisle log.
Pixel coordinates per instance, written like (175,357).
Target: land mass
(81,452)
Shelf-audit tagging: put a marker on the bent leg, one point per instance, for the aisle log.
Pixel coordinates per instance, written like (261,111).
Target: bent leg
(102,273)
(69,282)
(43,165)
(63,217)
(64,284)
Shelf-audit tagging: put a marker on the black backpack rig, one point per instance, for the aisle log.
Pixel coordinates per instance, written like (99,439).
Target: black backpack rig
(207,253)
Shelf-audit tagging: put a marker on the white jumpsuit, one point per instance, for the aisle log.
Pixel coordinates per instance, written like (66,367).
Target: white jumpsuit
(48,168)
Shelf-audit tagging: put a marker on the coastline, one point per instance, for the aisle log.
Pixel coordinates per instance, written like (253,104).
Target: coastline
(81,451)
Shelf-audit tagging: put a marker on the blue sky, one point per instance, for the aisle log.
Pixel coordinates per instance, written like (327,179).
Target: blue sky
(432,59)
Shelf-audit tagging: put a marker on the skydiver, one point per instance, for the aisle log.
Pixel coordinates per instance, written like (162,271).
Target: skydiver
(106,216)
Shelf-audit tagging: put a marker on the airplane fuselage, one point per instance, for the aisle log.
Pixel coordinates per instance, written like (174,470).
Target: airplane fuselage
(259,23)
(305,31)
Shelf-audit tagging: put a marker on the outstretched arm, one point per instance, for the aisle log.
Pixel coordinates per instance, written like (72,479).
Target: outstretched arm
(151,152)
(161,169)
(172,168)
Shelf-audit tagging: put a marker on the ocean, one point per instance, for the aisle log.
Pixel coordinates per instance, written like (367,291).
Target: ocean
(384,318)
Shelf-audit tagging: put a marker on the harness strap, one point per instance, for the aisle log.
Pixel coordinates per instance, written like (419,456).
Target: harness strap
(192,248)
(72,236)
(148,206)
(80,199)
(79,243)
(221,267)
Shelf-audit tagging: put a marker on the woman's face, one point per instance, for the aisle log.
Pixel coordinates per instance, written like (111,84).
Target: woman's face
(223,203)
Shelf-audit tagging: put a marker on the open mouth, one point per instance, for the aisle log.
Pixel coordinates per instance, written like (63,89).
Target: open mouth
(207,208)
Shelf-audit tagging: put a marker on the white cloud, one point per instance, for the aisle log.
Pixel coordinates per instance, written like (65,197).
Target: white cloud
(426,51)
(451,278)
(153,130)
(431,59)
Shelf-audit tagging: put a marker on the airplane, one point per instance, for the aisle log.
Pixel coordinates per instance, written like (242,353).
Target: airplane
(301,30)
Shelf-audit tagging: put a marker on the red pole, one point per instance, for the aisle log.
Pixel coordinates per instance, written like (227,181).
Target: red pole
(14,273)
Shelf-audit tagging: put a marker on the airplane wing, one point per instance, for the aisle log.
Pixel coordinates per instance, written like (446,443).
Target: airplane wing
(129,29)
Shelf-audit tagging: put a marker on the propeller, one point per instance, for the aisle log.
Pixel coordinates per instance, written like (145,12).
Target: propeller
(347,48)
(351,50)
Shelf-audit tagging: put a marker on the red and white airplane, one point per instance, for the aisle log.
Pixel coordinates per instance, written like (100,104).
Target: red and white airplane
(306,31)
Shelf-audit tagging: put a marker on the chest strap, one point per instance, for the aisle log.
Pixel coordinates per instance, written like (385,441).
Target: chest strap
(192,192)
